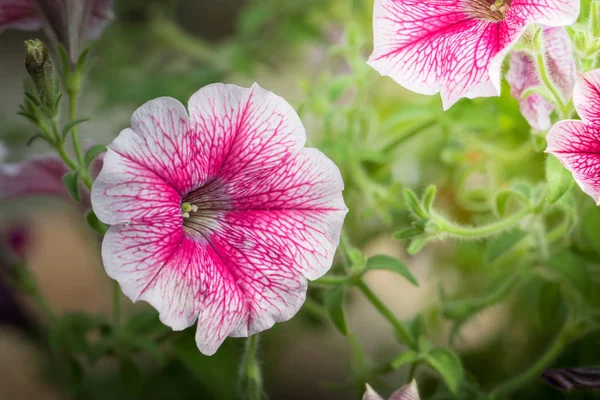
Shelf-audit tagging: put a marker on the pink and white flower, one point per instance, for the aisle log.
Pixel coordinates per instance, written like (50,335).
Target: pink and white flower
(406,392)
(577,143)
(25,15)
(218,216)
(523,75)
(455,47)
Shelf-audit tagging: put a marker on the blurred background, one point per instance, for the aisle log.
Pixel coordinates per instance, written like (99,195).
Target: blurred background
(312,53)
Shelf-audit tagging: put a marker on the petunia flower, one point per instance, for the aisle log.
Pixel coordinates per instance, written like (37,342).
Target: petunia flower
(455,47)
(218,216)
(577,143)
(41,175)
(523,75)
(570,379)
(406,392)
(68,22)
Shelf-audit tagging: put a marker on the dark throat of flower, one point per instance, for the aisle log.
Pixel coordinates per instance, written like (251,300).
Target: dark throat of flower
(200,209)
(488,10)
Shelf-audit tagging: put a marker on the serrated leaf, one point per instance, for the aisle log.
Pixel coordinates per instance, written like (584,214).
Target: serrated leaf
(95,223)
(94,152)
(503,244)
(389,263)
(407,357)
(334,304)
(67,128)
(448,365)
(71,182)
(558,178)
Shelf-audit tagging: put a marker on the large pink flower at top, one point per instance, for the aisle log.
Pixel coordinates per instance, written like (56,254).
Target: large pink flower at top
(523,75)
(577,143)
(219,216)
(455,47)
(25,14)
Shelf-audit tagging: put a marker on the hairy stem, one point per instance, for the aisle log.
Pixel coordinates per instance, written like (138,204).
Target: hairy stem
(474,232)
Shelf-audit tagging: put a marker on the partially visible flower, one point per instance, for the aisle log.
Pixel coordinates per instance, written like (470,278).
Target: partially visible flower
(577,143)
(18,238)
(39,176)
(455,47)
(221,215)
(406,392)
(523,75)
(68,22)
(569,379)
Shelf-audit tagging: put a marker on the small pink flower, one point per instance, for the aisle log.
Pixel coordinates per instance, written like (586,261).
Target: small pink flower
(26,14)
(219,216)
(523,75)
(406,392)
(577,143)
(455,47)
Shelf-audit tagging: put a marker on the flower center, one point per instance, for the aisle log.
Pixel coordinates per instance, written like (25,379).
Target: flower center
(489,10)
(202,208)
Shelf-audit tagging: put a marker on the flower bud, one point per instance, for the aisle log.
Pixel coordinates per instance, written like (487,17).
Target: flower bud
(41,70)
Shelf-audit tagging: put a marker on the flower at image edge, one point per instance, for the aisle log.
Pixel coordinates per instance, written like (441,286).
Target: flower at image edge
(577,143)
(221,215)
(455,47)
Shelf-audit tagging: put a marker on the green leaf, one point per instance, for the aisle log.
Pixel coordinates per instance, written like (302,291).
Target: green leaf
(416,245)
(95,223)
(145,322)
(503,244)
(559,179)
(413,204)
(389,263)
(428,198)
(73,124)
(448,365)
(407,357)
(504,197)
(71,182)
(573,270)
(34,138)
(334,304)
(407,233)
(94,152)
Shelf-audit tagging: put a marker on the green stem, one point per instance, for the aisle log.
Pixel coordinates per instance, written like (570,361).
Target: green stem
(250,385)
(473,232)
(331,280)
(75,137)
(555,348)
(558,98)
(399,328)
(404,137)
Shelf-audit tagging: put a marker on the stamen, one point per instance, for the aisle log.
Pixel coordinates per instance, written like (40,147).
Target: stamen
(186,208)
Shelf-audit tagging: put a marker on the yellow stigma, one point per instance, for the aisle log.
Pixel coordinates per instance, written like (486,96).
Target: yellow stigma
(186,208)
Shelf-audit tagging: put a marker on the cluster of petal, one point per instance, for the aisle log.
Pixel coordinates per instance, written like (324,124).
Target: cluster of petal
(27,14)
(406,392)
(455,47)
(523,75)
(218,216)
(577,143)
